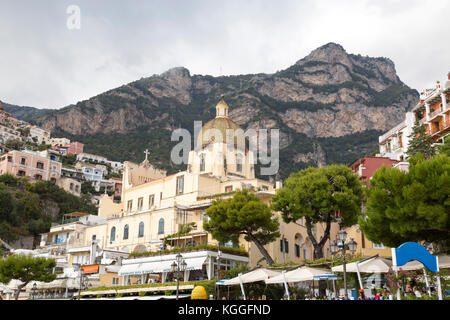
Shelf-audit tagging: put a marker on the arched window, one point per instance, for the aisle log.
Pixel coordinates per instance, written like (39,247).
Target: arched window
(161,226)
(113,234)
(202,162)
(141,230)
(298,244)
(125,232)
(307,249)
(239,163)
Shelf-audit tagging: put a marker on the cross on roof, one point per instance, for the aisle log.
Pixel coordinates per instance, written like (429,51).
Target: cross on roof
(146,154)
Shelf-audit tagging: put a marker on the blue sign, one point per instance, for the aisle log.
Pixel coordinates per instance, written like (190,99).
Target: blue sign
(413,251)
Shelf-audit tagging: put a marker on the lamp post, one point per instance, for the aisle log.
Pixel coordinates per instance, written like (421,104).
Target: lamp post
(340,244)
(33,291)
(219,254)
(84,282)
(178,266)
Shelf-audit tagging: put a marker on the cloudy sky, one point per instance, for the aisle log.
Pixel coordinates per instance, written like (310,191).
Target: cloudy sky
(46,64)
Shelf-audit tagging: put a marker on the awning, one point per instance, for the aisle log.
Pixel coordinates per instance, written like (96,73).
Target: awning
(55,284)
(195,263)
(160,266)
(129,269)
(155,267)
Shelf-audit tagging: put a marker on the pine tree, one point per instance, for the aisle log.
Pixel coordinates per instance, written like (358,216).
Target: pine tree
(420,142)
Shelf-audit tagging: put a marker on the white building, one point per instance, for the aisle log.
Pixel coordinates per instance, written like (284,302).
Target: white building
(7,133)
(116,166)
(59,141)
(92,157)
(40,135)
(394,143)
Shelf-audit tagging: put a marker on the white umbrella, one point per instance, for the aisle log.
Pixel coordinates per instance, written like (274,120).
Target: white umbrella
(297,275)
(373,265)
(14,284)
(260,274)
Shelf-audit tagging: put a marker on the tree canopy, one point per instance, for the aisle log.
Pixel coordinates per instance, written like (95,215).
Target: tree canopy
(420,142)
(409,206)
(244,214)
(316,194)
(26,268)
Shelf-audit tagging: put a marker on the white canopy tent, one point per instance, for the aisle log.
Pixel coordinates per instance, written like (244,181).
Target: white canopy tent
(300,274)
(373,264)
(259,274)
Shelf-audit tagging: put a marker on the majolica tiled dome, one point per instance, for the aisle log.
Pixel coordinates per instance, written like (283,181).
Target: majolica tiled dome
(221,123)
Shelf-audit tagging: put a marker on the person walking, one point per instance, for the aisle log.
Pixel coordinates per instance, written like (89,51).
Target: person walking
(362,296)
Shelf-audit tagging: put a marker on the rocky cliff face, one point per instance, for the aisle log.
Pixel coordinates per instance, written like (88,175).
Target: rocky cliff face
(329,93)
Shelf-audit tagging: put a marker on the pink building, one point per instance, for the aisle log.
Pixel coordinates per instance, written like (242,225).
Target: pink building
(75,148)
(366,167)
(30,164)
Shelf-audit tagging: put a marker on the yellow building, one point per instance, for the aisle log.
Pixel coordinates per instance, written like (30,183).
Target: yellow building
(365,247)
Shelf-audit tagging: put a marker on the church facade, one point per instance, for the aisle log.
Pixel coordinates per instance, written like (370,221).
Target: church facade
(155,205)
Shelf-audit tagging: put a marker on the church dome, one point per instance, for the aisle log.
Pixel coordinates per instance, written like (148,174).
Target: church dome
(220,123)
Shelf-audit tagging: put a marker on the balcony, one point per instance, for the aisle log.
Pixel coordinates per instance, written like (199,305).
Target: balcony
(52,243)
(65,221)
(435,113)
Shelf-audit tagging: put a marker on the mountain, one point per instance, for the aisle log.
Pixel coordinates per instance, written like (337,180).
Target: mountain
(330,107)
(24,113)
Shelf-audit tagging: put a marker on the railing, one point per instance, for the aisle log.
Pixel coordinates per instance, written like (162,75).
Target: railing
(435,113)
(65,221)
(393,131)
(50,243)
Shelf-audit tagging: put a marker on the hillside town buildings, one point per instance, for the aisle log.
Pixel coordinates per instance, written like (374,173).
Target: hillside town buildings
(154,206)
(432,111)
(93,157)
(39,135)
(30,164)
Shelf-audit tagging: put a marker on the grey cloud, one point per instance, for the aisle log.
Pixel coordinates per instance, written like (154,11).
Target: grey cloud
(43,64)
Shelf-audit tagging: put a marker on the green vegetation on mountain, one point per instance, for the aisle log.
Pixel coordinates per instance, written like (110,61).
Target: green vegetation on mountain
(28,209)
(337,101)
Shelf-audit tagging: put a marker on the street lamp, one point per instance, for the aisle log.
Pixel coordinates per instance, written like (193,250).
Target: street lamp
(178,266)
(219,255)
(341,244)
(84,281)
(33,291)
